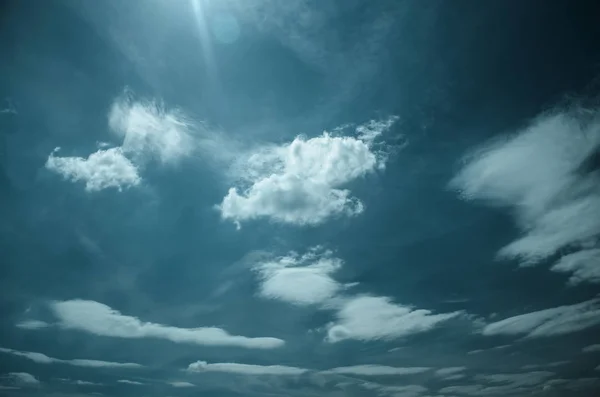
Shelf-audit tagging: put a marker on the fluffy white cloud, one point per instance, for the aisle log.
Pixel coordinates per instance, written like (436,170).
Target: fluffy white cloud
(370,318)
(301,280)
(549,322)
(302,182)
(583,265)
(149,130)
(99,319)
(44,359)
(377,370)
(129,382)
(32,324)
(182,384)
(591,349)
(546,175)
(101,170)
(245,369)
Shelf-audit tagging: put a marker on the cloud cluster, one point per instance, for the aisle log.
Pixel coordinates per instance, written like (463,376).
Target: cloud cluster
(377,370)
(44,359)
(548,176)
(148,131)
(303,182)
(99,319)
(549,322)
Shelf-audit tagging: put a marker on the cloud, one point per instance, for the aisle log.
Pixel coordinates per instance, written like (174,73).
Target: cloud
(150,130)
(591,349)
(32,324)
(450,371)
(517,380)
(371,318)
(130,382)
(245,369)
(99,319)
(300,280)
(549,322)
(302,182)
(23,379)
(100,170)
(377,370)
(584,266)
(182,384)
(44,359)
(85,383)
(547,175)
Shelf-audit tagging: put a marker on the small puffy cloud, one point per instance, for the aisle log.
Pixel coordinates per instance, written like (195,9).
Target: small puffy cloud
(549,322)
(23,379)
(584,266)
(302,182)
(44,359)
(371,318)
(377,370)
(129,382)
(181,384)
(301,280)
(100,170)
(32,324)
(150,130)
(245,369)
(99,319)
(449,371)
(547,176)
(591,349)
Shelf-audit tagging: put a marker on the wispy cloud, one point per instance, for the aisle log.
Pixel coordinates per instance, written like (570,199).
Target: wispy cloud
(591,349)
(547,175)
(44,359)
(22,379)
(150,130)
(301,280)
(377,370)
(100,170)
(245,369)
(180,384)
(549,322)
(449,371)
(372,317)
(32,324)
(302,182)
(99,319)
(130,382)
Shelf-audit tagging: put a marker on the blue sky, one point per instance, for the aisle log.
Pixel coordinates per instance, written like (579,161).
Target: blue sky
(263,198)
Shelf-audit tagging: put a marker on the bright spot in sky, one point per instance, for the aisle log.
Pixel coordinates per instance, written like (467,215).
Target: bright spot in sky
(225,28)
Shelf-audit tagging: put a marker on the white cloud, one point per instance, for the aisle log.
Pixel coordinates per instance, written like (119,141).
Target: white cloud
(517,380)
(377,370)
(301,280)
(23,378)
(583,265)
(549,322)
(591,349)
(44,359)
(544,175)
(129,382)
(182,384)
(371,318)
(32,324)
(85,383)
(302,182)
(99,319)
(245,369)
(450,371)
(101,170)
(149,130)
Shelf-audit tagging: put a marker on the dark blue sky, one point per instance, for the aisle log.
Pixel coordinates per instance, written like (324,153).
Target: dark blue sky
(303,198)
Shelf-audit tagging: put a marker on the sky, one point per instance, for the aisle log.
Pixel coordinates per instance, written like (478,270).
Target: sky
(299,198)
